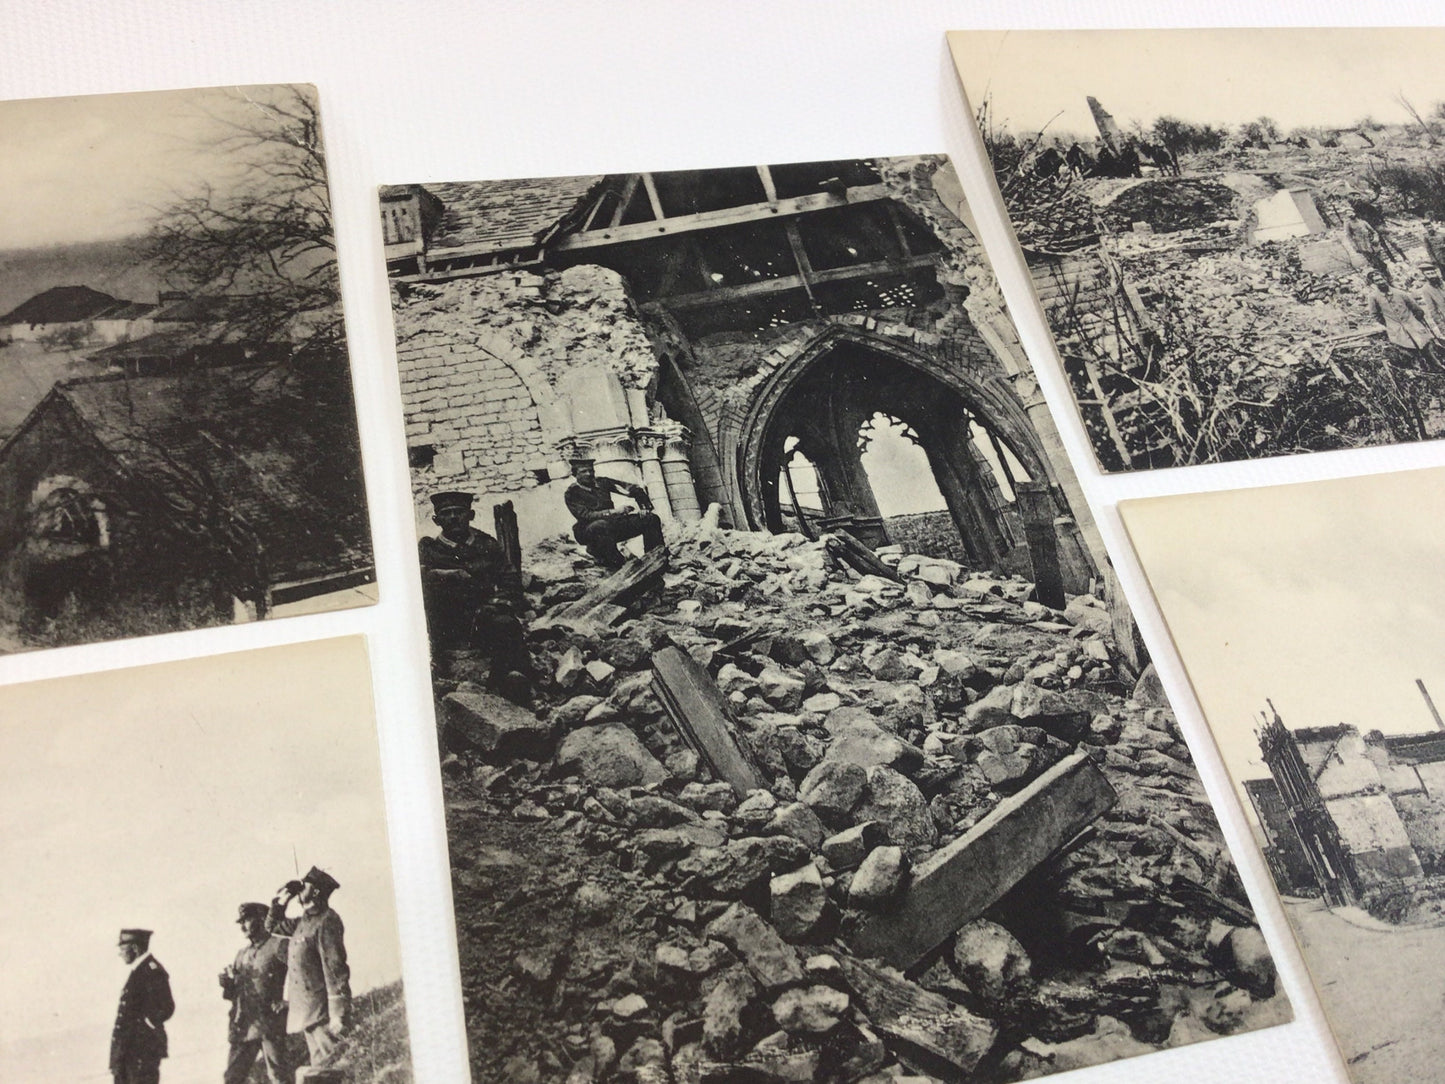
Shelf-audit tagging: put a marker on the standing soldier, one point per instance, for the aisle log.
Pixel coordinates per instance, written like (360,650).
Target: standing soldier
(318,982)
(599,525)
(255,985)
(138,1040)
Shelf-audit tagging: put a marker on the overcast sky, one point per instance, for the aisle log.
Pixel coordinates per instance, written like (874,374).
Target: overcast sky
(162,797)
(1328,597)
(1330,78)
(94,168)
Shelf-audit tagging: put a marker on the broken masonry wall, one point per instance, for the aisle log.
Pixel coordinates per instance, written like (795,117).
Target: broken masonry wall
(929,533)
(483,363)
(1432,777)
(1424,820)
(1345,769)
(1372,831)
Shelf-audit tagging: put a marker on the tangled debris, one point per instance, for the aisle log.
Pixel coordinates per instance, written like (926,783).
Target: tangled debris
(625,916)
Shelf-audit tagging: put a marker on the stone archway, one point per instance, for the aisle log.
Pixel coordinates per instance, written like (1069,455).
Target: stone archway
(822,394)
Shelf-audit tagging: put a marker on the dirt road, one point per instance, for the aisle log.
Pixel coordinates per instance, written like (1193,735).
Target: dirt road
(1382,990)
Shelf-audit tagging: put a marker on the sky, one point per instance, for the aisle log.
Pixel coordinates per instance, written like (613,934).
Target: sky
(1329,78)
(1326,597)
(162,797)
(95,168)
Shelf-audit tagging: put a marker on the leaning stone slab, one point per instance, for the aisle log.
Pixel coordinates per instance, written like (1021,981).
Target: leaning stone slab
(965,878)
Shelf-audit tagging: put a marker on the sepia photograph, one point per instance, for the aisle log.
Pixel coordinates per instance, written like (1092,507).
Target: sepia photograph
(178,442)
(792,723)
(1234,235)
(1309,619)
(198,879)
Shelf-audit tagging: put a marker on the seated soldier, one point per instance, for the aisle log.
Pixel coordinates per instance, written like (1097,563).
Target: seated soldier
(470,592)
(599,525)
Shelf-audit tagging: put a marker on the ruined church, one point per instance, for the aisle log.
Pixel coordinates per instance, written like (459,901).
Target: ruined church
(713,334)
(1346,814)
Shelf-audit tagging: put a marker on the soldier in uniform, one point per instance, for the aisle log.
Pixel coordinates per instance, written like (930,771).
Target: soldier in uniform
(469,591)
(255,985)
(138,1040)
(318,981)
(599,526)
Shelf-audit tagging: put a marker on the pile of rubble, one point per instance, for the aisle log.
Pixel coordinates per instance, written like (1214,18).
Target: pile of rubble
(837,827)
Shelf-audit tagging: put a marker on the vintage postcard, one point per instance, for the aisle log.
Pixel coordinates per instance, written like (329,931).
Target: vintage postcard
(178,441)
(198,881)
(1235,235)
(787,705)
(1309,618)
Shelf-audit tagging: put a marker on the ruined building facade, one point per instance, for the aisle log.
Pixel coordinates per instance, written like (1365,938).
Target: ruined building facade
(696,332)
(1345,813)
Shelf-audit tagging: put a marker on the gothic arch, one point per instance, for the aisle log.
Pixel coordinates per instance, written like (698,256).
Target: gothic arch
(989,399)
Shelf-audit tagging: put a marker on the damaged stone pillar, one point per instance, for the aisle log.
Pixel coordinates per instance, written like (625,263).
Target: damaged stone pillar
(1026,386)
(677,478)
(1037,507)
(649,445)
(613,456)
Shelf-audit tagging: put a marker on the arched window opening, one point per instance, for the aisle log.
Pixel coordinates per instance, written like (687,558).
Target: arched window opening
(897,467)
(800,489)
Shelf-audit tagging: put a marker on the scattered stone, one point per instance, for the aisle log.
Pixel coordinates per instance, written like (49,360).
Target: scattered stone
(848,848)
(725,1020)
(810,1010)
(858,739)
(822,703)
(990,959)
(766,955)
(1245,959)
(629,1007)
(899,807)
(609,755)
(600,672)
(879,878)
(570,668)
(783,691)
(834,789)
(799,902)
(498,729)
(798,820)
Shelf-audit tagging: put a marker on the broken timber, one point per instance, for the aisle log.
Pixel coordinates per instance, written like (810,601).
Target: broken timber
(504,518)
(696,706)
(968,876)
(845,547)
(605,604)
(925,1030)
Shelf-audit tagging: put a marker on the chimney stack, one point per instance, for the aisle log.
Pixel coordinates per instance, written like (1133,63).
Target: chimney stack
(1439,723)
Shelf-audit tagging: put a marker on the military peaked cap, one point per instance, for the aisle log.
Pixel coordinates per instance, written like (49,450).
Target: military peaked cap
(251,910)
(321,879)
(135,937)
(451,499)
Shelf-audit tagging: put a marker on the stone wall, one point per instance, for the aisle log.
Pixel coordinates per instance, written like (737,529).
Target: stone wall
(929,533)
(480,361)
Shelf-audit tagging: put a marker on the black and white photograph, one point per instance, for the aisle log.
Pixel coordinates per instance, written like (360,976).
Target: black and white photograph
(198,883)
(1308,618)
(792,723)
(1234,235)
(178,442)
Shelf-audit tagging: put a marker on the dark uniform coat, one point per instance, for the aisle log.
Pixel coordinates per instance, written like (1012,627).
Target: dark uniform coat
(318,982)
(257,993)
(466,586)
(138,1041)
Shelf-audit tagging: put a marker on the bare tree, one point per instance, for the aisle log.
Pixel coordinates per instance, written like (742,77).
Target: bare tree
(261,246)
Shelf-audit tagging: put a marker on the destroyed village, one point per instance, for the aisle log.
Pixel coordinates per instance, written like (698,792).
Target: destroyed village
(1228,292)
(178,443)
(793,727)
